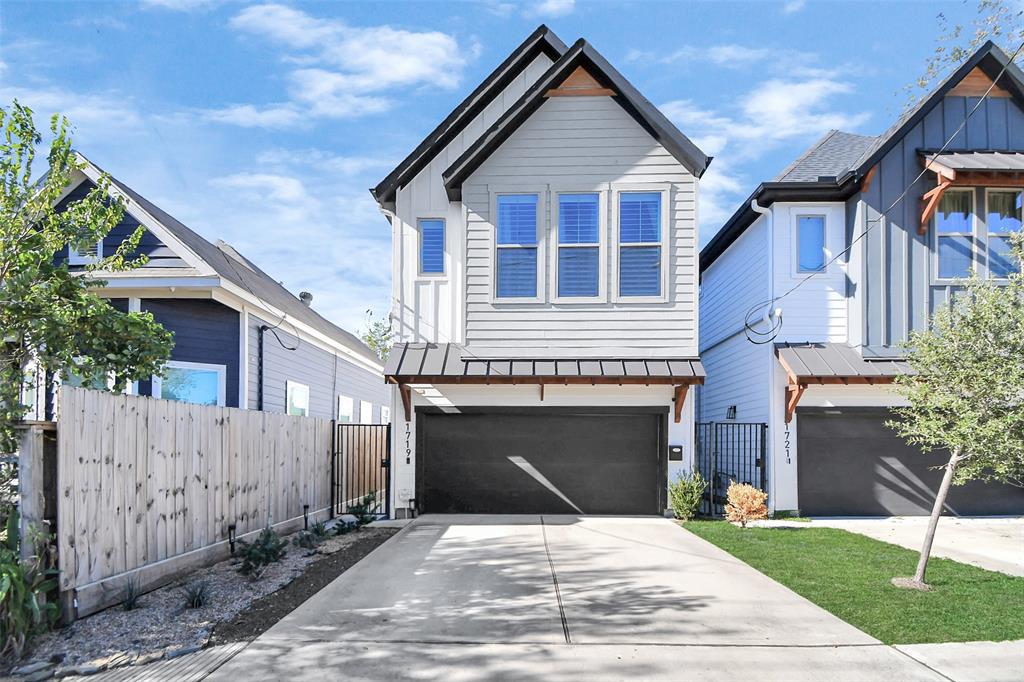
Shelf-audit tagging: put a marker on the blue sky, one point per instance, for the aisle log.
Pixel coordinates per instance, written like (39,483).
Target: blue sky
(264,124)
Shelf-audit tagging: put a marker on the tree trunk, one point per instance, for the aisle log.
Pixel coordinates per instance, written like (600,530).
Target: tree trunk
(933,522)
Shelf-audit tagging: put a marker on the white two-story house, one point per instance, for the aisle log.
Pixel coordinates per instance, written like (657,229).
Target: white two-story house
(544,295)
(844,265)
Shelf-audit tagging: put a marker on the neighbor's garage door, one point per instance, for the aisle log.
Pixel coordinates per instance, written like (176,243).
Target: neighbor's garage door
(540,463)
(849,463)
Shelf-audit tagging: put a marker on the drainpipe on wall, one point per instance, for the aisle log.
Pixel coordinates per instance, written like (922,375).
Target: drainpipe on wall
(259,366)
(772,398)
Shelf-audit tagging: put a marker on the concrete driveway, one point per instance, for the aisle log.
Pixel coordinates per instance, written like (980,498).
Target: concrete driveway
(541,598)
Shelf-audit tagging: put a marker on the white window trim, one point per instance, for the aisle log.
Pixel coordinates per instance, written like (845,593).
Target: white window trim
(970,235)
(602,245)
(989,232)
(221,370)
(795,270)
(76,258)
(542,238)
(351,409)
(666,239)
(419,249)
(289,387)
(365,412)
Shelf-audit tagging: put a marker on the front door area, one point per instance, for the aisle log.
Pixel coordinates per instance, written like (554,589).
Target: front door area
(541,461)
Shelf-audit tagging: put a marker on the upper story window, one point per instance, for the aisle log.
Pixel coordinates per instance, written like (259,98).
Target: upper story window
(365,412)
(346,409)
(579,245)
(431,246)
(810,247)
(516,246)
(192,382)
(87,256)
(954,228)
(640,244)
(1003,219)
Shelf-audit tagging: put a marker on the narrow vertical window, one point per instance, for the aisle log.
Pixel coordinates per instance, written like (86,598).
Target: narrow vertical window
(1004,218)
(640,244)
(578,245)
(89,254)
(431,246)
(365,412)
(953,234)
(346,408)
(516,245)
(296,398)
(810,235)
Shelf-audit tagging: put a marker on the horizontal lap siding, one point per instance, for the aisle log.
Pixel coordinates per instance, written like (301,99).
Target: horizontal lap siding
(160,255)
(736,281)
(429,308)
(326,374)
(579,143)
(204,331)
(738,373)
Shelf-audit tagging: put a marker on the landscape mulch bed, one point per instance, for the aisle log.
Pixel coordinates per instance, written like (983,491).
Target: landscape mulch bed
(266,611)
(237,608)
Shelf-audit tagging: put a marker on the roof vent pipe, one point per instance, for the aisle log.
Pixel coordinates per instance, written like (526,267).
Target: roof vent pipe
(306,298)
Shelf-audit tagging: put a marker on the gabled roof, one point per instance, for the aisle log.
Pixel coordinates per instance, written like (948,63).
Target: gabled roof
(227,263)
(835,153)
(541,41)
(580,54)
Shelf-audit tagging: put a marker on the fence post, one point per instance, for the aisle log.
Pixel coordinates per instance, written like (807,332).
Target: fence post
(334,459)
(31,493)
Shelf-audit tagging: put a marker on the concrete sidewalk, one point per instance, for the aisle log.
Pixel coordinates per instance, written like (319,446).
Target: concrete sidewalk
(590,598)
(993,543)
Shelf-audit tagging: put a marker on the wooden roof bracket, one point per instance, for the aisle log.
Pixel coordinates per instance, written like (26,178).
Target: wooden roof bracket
(406,393)
(678,398)
(930,201)
(868,177)
(794,391)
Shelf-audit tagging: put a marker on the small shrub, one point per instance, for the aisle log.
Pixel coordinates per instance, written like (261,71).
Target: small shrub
(24,611)
(196,594)
(319,529)
(307,539)
(746,503)
(131,594)
(685,494)
(345,527)
(266,549)
(364,511)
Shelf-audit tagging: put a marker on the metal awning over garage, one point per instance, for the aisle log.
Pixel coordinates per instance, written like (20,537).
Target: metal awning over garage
(831,363)
(451,363)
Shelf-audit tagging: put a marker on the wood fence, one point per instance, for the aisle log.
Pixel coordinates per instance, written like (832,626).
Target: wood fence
(151,488)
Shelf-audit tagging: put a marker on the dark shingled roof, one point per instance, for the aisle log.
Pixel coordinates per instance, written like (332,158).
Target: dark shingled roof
(239,270)
(452,363)
(835,360)
(833,155)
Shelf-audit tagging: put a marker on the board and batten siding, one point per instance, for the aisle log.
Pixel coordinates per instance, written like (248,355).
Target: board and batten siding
(327,374)
(429,307)
(574,144)
(898,290)
(818,309)
(204,332)
(159,254)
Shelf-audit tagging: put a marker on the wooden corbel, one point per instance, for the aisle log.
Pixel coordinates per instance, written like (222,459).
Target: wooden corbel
(866,182)
(406,393)
(929,202)
(542,391)
(678,398)
(793,394)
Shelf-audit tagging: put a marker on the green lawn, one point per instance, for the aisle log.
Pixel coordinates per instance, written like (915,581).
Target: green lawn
(848,575)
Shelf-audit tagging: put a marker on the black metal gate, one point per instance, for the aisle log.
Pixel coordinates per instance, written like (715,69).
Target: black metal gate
(361,470)
(730,451)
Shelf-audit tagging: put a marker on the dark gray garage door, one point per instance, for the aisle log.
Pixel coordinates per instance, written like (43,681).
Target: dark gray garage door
(540,463)
(851,464)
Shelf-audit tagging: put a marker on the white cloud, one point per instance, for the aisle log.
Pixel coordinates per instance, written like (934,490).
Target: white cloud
(550,8)
(181,5)
(251,116)
(334,164)
(112,112)
(793,6)
(795,63)
(343,71)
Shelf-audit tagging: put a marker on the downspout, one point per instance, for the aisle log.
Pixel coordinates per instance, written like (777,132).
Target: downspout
(259,366)
(772,397)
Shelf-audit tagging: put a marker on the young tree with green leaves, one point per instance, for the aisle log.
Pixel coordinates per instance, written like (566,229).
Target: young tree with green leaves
(966,393)
(379,336)
(50,316)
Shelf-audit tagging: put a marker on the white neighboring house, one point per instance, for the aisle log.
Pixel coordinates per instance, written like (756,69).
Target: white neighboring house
(544,295)
(823,385)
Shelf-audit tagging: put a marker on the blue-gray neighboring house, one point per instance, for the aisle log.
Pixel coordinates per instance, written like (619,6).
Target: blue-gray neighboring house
(851,265)
(241,339)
